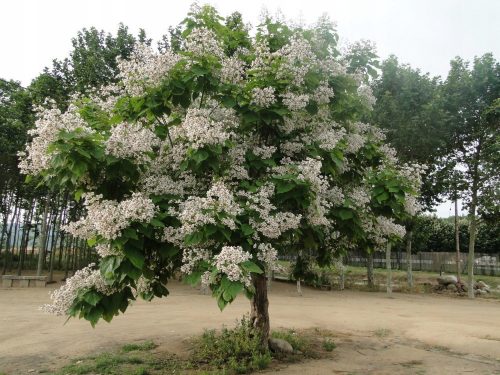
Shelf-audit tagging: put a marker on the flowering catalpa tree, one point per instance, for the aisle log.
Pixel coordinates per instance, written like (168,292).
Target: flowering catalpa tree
(214,158)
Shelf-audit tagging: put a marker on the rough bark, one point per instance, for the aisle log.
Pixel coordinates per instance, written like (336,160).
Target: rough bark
(369,271)
(259,315)
(389,268)
(57,233)
(457,239)
(8,254)
(342,273)
(43,238)
(470,259)
(409,265)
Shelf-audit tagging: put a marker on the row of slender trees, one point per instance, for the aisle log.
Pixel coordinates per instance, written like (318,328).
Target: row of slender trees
(450,125)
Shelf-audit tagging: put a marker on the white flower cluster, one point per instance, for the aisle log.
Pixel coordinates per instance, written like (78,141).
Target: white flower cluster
(48,126)
(200,129)
(232,70)
(264,152)
(144,68)
(228,262)
(198,211)
(191,258)
(354,142)
(202,42)
(267,254)
(164,184)
(104,250)
(359,197)
(297,59)
(270,223)
(143,286)
(327,136)
(412,206)
(366,94)
(63,298)
(290,148)
(323,94)
(388,228)
(108,218)
(131,141)
(274,225)
(295,102)
(310,170)
(263,97)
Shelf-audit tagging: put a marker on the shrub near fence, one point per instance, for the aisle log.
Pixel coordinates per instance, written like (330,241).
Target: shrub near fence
(484,264)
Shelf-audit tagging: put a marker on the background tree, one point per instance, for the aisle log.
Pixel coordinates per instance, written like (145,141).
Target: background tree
(409,109)
(471,102)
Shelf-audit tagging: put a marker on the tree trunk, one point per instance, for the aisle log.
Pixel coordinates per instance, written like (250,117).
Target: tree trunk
(470,260)
(369,271)
(389,268)
(409,265)
(25,237)
(299,287)
(43,238)
(259,315)
(68,256)
(57,232)
(342,273)
(457,239)
(8,255)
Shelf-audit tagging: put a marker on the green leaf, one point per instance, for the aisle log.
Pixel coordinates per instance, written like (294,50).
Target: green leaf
(250,266)
(193,278)
(108,266)
(234,289)
(283,187)
(94,315)
(135,256)
(193,239)
(221,303)
(247,230)
(78,196)
(157,223)
(228,101)
(199,156)
(130,233)
(92,297)
(382,197)
(345,214)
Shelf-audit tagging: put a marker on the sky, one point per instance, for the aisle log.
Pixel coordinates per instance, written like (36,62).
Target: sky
(427,34)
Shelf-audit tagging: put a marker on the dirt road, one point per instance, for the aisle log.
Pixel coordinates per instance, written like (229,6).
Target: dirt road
(407,334)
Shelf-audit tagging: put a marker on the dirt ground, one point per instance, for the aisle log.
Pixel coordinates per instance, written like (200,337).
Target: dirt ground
(406,334)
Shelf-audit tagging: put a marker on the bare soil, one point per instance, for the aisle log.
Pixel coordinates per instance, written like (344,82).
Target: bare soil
(406,334)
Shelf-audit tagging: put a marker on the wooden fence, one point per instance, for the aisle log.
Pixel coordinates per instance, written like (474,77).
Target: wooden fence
(484,264)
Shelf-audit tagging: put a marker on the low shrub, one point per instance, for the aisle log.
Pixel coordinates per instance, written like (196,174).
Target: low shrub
(235,350)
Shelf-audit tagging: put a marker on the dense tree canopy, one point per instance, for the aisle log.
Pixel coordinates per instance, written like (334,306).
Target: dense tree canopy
(213,159)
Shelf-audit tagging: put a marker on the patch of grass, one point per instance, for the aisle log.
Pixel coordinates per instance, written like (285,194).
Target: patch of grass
(146,345)
(412,363)
(382,332)
(122,362)
(228,351)
(329,345)
(236,350)
(298,342)
(488,337)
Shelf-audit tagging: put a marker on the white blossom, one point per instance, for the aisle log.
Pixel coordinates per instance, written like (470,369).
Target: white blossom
(63,298)
(228,262)
(263,97)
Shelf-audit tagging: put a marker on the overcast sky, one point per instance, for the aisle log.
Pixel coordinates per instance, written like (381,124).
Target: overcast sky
(424,33)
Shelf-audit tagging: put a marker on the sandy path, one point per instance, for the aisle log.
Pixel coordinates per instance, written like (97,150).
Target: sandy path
(424,334)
